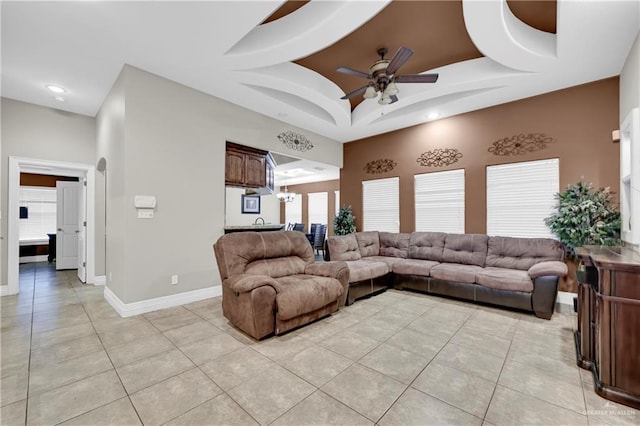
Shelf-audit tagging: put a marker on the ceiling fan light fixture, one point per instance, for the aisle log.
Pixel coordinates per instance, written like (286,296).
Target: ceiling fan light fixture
(392,89)
(370,93)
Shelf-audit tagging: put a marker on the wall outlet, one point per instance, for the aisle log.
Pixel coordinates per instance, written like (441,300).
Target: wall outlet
(174,279)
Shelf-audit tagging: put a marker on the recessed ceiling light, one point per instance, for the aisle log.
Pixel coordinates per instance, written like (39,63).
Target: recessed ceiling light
(433,115)
(56,89)
(59,98)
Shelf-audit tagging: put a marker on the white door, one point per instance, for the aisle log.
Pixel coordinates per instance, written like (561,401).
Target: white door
(82,226)
(67,218)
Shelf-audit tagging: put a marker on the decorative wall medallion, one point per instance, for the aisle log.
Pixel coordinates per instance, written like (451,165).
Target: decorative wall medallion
(296,141)
(382,165)
(520,144)
(439,157)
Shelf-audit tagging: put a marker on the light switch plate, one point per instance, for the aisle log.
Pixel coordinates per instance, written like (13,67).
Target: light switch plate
(145,214)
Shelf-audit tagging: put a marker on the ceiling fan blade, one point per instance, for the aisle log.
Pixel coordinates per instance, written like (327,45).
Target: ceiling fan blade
(402,55)
(346,70)
(355,92)
(417,78)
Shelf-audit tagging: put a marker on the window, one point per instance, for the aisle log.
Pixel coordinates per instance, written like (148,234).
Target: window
(520,196)
(318,208)
(41,205)
(439,199)
(381,205)
(337,205)
(293,210)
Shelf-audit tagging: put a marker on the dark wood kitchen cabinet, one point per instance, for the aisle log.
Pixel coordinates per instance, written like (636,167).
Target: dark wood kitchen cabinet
(608,335)
(248,167)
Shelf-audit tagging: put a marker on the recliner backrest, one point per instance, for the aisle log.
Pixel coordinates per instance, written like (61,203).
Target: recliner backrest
(276,254)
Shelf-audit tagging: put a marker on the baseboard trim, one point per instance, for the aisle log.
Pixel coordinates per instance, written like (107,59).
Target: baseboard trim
(149,305)
(100,280)
(565,298)
(4,290)
(29,259)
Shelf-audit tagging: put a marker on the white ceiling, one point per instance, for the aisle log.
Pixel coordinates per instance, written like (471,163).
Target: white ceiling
(222,49)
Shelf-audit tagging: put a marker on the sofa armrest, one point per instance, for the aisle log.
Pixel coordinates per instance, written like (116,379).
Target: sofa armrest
(553,267)
(244,283)
(334,269)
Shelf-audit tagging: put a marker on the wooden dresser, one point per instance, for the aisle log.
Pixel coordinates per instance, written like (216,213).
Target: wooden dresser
(608,335)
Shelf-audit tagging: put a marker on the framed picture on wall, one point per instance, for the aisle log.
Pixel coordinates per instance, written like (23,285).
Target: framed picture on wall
(251,204)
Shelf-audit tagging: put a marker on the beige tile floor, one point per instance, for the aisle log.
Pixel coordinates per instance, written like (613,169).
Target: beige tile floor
(398,358)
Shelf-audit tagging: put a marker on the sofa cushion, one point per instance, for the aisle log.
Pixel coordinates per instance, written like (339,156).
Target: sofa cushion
(364,270)
(468,249)
(394,244)
(521,253)
(426,245)
(455,272)
(414,267)
(301,294)
(390,261)
(369,243)
(343,247)
(505,279)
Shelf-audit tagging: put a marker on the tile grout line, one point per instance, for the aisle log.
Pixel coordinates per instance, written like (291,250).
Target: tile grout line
(423,369)
(26,405)
(112,365)
(195,366)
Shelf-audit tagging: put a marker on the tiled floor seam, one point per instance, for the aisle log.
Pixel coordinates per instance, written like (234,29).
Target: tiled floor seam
(115,370)
(410,385)
(26,404)
(504,361)
(195,366)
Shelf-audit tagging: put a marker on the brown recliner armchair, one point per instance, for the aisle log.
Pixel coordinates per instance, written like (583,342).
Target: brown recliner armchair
(271,284)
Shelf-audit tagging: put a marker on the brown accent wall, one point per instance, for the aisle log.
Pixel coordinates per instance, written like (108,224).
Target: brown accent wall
(579,119)
(34,179)
(328,186)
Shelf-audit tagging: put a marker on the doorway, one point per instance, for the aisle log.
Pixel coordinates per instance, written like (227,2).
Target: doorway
(85,173)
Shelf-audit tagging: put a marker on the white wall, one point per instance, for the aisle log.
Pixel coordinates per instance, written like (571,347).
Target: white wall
(630,81)
(174,149)
(269,209)
(630,99)
(33,131)
(110,144)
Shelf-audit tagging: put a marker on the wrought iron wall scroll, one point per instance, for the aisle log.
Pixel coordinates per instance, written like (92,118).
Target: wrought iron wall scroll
(293,140)
(439,157)
(520,144)
(382,165)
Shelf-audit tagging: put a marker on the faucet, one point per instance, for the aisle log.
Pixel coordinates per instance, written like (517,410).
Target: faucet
(256,222)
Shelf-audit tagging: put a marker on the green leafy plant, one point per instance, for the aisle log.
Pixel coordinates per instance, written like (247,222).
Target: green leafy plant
(585,216)
(345,222)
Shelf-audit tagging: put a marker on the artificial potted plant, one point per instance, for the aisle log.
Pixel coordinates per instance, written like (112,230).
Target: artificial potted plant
(583,216)
(344,223)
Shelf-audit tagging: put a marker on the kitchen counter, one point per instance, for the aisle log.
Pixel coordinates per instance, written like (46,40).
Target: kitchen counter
(254,228)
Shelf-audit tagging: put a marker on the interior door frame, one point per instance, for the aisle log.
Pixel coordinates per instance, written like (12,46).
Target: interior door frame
(31,165)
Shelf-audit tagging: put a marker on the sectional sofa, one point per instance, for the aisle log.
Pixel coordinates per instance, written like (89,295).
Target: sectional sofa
(520,273)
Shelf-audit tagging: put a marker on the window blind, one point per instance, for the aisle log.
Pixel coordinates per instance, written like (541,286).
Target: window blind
(381,205)
(439,201)
(293,210)
(41,203)
(520,196)
(318,208)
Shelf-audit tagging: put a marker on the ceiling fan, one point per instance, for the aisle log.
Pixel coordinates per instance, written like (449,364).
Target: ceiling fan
(383,78)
